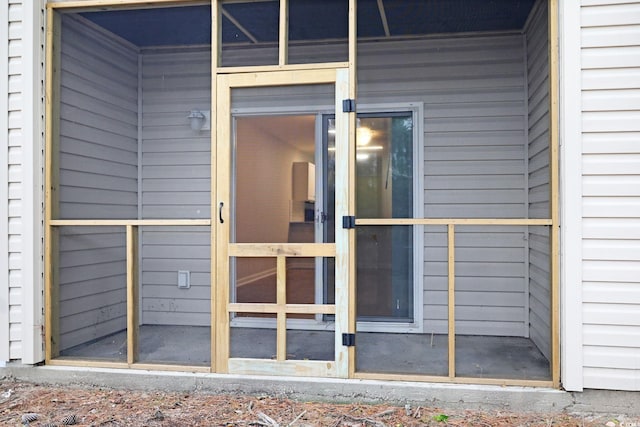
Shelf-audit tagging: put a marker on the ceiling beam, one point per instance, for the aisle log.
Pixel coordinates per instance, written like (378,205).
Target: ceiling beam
(383,17)
(235,22)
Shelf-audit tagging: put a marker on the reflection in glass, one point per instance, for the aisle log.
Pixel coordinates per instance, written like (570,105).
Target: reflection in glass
(384,189)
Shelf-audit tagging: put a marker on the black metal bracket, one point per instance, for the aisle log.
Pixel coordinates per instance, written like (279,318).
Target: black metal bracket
(349,340)
(348,221)
(348,105)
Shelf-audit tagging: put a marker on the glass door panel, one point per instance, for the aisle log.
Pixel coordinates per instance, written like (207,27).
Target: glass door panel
(384,189)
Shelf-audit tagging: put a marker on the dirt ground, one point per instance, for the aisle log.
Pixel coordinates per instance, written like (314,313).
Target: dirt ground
(35,405)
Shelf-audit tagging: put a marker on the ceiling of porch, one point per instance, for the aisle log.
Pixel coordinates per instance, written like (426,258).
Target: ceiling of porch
(256,22)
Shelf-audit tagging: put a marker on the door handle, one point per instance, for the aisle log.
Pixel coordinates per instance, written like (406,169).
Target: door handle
(220,212)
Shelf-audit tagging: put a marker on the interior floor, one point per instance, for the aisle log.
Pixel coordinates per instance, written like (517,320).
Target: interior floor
(376,352)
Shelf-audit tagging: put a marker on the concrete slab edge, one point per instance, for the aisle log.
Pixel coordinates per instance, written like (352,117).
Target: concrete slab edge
(445,396)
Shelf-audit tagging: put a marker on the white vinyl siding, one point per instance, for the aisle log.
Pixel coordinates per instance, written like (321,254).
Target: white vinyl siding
(22,37)
(610,59)
(98,179)
(176,179)
(537,57)
(4,167)
(14,191)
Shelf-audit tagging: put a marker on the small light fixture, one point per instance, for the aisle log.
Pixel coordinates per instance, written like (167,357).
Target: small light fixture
(197,120)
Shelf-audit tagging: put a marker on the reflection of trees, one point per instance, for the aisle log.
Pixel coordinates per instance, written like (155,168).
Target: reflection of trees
(402,148)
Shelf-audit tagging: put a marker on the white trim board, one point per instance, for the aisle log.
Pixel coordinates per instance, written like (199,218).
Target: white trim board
(4,199)
(32,183)
(571,325)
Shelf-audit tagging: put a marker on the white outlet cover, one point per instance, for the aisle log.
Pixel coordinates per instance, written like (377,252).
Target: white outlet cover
(184,279)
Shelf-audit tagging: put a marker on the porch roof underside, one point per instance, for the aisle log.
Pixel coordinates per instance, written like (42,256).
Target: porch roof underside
(312,20)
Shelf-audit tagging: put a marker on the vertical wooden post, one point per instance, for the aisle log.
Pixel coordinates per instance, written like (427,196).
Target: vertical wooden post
(216,47)
(52,134)
(554,183)
(451,274)
(344,284)
(281,301)
(351,184)
(221,207)
(283,46)
(132,294)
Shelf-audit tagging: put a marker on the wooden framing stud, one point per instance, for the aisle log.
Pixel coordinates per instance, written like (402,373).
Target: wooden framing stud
(132,294)
(216,51)
(222,195)
(51,298)
(451,292)
(283,44)
(281,301)
(554,188)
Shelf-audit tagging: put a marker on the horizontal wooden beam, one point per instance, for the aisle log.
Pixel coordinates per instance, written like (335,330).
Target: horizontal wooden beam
(92,4)
(446,379)
(282,249)
(127,222)
(62,361)
(284,77)
(81,363)
(286,308)
(453,221)
(298,368)
(284,67)
(171,368)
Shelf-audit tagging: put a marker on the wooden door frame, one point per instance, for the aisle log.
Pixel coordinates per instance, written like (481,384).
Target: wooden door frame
(339,367)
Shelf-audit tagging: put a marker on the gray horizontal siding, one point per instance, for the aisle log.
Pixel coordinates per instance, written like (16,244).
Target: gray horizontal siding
(98,179)
(472,90)
(165,250)
(538,178)
(473,95)
(98,125)
(92,278)
(176,180)
(176,161)
(490,293)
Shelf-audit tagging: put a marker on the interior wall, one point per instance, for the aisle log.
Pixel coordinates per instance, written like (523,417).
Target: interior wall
(264,167)
(98,178)
(536,38)
(175,183)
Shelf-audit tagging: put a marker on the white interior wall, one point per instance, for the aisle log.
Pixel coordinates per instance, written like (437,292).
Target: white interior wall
(97,178)
(537,63)
(263,187)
